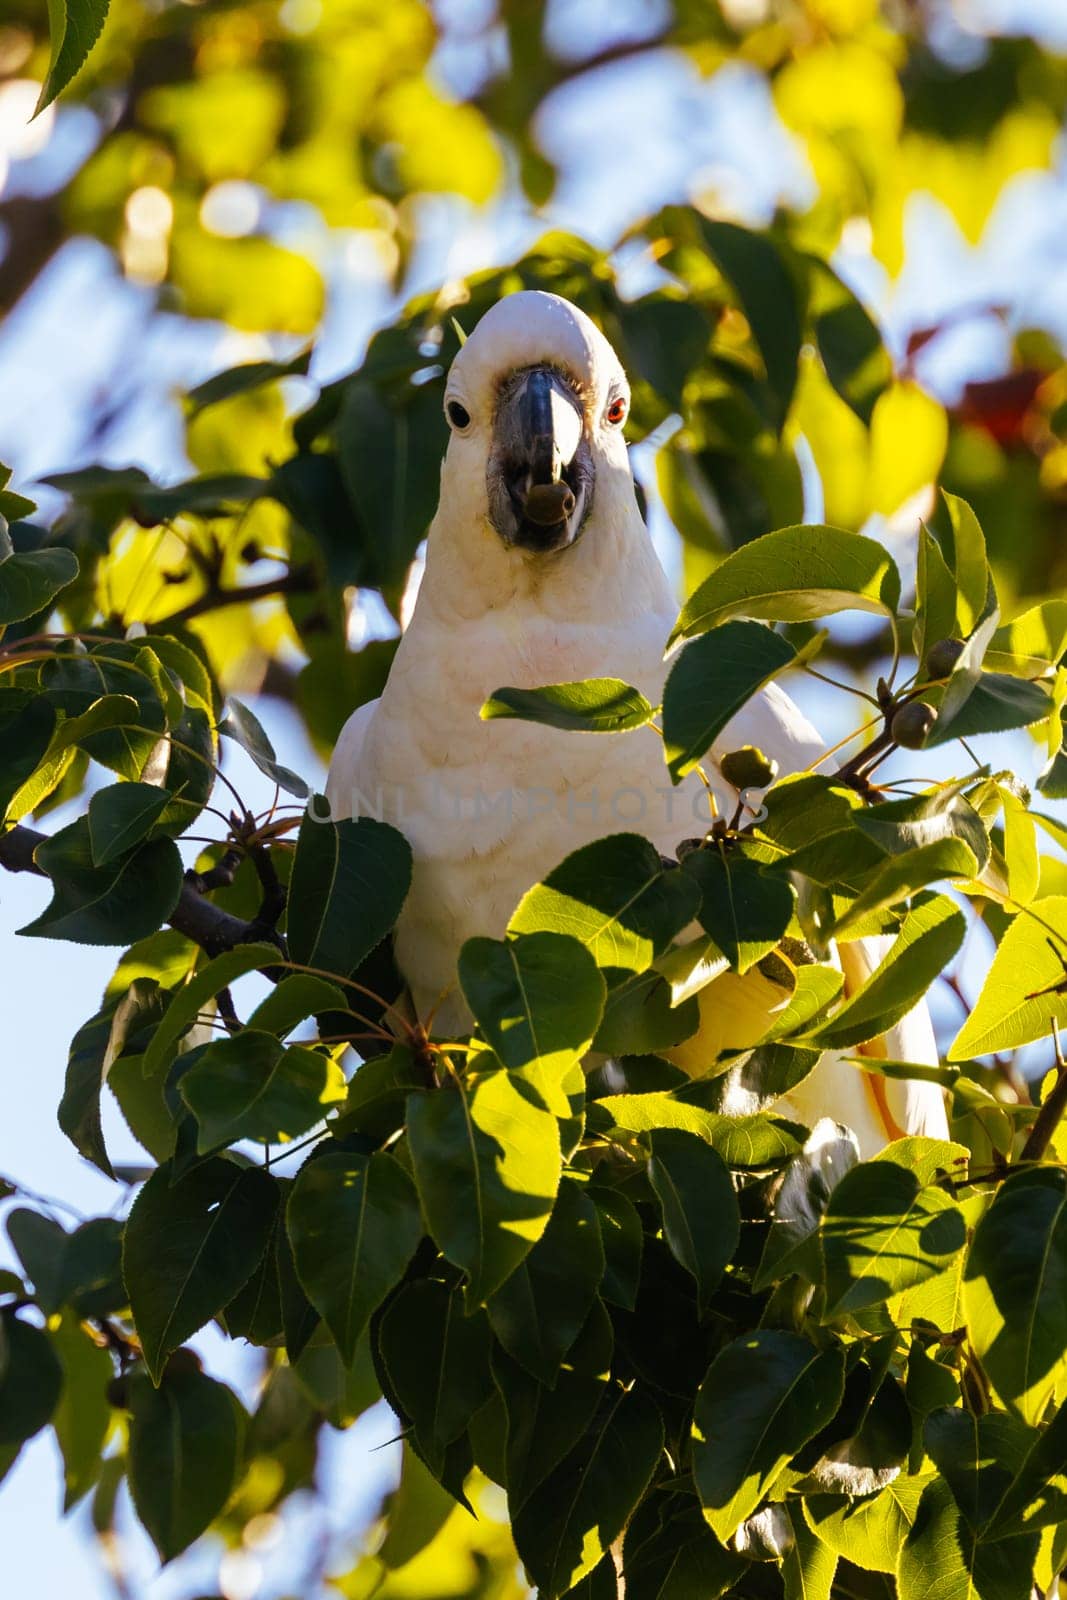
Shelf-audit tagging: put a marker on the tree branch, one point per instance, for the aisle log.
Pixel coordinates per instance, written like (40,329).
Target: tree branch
(209,926)
(298,580)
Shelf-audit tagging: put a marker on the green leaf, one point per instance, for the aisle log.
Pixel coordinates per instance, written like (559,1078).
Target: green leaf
(196,996)
(1015,1290)
(901,826)
(544,1424)
(120,816)
(809,1565)
(31,580)
(936,597)
(943,1559)
(641,1016)
(295,998)
(622,1237)
(185,1449)
(592,705)
(1032,643)
(354,1225)
(27,723)
(902,876)
(30,1379)
(116,904)
(995,704)
(970,564)
(574,1516)
(1036,1497)
(670,1553)
(539,1312)
(929,937)
(794,575)
(856,360)
(1023,992)
(245,729)
(40,1244)
(340,1393)
(764,1396)
(190,1245)
(868,1532)
(82,1418)
(378,1092)
(617,898)
(977,1456)
(759,1141)
(768,297)
(240,379)
(348,884)
(755,1082)
(537,997)
(882,1232)
(701,1219)
(486,1156)
(249,1086)
(711,680)
(745,910)
(437,1360)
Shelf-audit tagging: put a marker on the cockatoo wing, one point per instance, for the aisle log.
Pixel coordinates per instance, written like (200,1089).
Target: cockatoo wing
(343,778)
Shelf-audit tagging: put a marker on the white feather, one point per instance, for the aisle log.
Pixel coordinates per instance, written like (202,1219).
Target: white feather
(490,807)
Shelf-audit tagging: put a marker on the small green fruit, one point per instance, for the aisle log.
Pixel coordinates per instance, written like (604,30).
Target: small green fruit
(911,725)
(941,657)
(748,768)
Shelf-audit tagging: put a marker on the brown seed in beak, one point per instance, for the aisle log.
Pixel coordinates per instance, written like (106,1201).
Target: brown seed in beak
(549,503)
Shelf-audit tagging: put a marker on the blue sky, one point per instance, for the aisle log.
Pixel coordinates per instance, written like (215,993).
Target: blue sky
(67,343)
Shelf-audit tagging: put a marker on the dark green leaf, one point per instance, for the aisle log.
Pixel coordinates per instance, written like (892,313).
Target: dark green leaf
(115,904)
(378,1092)
(765,1395)
(190,1246)
(701,1220)
(185,1449)
(882,1232)
(250,1086)
(537,997)
(27,723)
(617,898)
(438,1364)
(544,1424)
(571,1520)
(856,361)
(197,995)
(120,816)
(30,581)
(711,680)
(354,1225)
(744,909)
(592,705)
(1037,1494)
(794,575)
(348,884)
(768,296)
(240,379)
(622,1237)
(30,1379)
(539,1311)
(1015,1290)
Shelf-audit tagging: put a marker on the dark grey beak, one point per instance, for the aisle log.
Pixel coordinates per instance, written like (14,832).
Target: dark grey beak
(540,467)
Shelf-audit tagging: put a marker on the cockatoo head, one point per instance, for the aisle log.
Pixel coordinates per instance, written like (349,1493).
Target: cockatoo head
(535,400)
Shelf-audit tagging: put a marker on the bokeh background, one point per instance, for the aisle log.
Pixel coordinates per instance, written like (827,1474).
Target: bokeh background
(247,182)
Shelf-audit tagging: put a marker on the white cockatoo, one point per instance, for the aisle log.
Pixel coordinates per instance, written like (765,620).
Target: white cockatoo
(539,570)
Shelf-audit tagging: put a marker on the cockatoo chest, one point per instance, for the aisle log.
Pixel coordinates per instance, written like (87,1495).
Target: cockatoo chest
(490,807)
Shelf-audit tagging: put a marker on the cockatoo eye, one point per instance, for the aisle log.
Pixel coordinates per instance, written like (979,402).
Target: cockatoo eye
(616,412)
(458,415)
